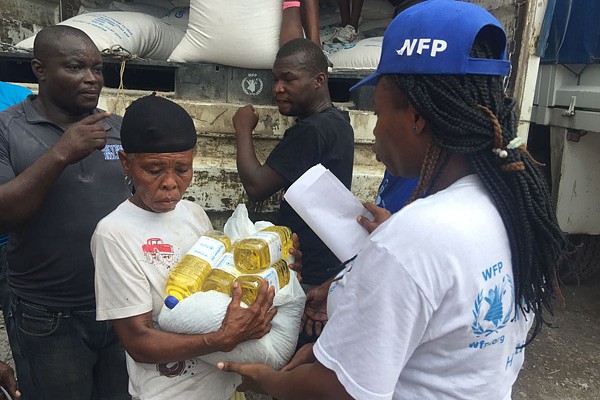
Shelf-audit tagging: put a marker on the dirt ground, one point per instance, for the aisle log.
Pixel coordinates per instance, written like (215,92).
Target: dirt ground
(564,361)
(562,364)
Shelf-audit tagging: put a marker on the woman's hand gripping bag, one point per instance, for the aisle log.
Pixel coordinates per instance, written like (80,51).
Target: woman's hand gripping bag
(203,312)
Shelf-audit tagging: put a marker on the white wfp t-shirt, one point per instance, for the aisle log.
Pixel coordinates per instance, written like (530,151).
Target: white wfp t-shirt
(134,250)
(426,311)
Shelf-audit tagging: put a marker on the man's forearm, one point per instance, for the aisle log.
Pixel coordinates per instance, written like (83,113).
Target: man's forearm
(247,164)
(307,381)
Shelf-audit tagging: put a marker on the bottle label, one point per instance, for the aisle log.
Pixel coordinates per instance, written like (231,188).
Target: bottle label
(226,264)
(271,276)
(207,249)
(274,243)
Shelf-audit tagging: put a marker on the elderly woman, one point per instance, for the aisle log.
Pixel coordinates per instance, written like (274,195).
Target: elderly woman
(438,305)
(158,139)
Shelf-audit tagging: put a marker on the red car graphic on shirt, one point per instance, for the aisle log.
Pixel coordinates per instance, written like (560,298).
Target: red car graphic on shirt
(157,252)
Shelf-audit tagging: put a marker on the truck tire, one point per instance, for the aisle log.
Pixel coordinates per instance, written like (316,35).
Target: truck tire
(586,260)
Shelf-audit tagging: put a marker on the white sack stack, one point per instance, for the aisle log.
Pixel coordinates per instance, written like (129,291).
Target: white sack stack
(235,33)
(138,33)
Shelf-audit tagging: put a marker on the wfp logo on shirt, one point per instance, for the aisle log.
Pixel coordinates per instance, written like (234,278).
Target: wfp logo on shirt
(111,151)
(492,308)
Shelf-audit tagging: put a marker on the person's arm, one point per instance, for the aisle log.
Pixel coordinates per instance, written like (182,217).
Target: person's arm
(260,181)
(315,309)
(308,381)
(291,25)
(310,20)
(8,381)
(146,344)
(21,197)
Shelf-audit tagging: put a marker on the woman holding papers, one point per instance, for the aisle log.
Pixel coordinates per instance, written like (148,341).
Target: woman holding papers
(439,303)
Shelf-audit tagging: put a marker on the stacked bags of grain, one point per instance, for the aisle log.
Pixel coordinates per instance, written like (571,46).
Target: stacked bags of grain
(138,33)
(235,33)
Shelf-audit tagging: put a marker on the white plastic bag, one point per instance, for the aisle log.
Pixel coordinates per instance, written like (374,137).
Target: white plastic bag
(239,224)
(203,312)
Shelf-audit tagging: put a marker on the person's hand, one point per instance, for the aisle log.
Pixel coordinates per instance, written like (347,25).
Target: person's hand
(304,355)
(241,324)
(245,120)
(297,254)
(82,139)
(380,216)
(253,375)
(315,310)
(8,381)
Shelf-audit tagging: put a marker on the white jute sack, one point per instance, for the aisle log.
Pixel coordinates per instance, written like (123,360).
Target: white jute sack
(178,17)
(138,33)
(203,312)
(362,55)
(235,33)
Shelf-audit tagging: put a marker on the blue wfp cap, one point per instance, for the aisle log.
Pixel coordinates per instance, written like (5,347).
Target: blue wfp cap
(435,38)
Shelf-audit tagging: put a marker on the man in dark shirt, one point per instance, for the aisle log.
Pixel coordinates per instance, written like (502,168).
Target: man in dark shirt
(321,134)
(59,175)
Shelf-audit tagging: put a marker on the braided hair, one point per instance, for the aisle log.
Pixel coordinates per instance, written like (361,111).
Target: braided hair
(470,115)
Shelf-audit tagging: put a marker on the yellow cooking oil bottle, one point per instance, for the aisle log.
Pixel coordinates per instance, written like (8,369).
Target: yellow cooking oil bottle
(278,275)
(189,274)
(222,275)
(262,249)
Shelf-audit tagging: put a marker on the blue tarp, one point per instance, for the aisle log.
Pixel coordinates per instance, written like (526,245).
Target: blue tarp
(571,32)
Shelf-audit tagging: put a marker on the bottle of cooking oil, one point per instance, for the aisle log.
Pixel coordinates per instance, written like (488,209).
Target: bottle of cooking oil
(262,249)
(189,274)
(277,275)
(222,275)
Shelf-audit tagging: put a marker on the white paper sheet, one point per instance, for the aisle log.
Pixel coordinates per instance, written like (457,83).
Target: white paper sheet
(330,209)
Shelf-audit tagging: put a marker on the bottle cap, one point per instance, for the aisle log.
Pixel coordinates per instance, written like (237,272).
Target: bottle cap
(171,301)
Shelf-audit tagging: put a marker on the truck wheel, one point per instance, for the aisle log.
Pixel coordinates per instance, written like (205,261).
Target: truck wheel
(158,257)
(586,260)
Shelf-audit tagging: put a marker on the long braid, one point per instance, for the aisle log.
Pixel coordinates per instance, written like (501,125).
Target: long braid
(432,156)
(470,115)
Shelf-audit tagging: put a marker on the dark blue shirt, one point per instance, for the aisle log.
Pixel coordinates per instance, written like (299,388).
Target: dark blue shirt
(394,192)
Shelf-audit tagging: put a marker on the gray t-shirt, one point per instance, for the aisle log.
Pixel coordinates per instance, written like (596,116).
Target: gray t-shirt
(49,258)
